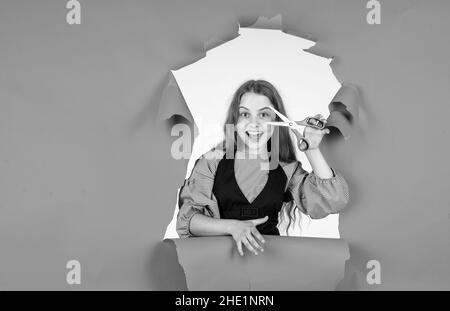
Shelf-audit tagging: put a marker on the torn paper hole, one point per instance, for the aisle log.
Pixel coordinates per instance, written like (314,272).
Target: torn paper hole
(304,80)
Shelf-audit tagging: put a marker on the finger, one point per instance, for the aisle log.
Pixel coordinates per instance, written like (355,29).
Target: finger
(259,220)
(324,131)
(254,243)
(249,246)
(313,131)
(239,247)
(304,145)
(258,235)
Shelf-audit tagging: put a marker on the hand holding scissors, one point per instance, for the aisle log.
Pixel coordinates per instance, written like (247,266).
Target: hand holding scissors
(312,133)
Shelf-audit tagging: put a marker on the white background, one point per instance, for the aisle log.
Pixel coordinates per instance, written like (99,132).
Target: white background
(304,81)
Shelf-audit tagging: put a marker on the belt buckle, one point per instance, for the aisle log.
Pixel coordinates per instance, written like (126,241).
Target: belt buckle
(249,212)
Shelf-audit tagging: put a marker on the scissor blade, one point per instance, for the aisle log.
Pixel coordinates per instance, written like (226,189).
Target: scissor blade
(292,125)
(278,123)
(282,117)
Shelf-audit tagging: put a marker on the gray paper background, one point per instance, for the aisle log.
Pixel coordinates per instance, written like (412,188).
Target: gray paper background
(86,172)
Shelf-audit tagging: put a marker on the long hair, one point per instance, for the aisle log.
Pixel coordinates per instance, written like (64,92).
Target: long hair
(284,144)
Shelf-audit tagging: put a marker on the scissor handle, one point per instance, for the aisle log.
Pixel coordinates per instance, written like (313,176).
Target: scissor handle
(302,141)
(303,144)
(312,122)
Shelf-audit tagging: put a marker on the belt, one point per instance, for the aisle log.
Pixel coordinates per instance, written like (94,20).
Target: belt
(250,212)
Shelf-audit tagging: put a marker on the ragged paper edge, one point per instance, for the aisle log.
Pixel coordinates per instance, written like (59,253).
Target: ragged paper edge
(166,268)
(217,266)
(172,102)
(344,110)
(263,22)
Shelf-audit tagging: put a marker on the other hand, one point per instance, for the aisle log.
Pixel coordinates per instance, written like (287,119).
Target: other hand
(245,232)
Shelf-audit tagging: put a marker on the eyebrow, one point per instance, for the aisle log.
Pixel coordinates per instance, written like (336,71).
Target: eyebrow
(258,110)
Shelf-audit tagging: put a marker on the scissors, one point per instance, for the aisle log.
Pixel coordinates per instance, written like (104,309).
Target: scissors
(295,125)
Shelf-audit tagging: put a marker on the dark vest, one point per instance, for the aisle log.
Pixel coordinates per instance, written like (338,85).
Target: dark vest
(234,205)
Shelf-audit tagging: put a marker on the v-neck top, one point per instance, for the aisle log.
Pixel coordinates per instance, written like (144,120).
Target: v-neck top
(314,196)
(250,177)
(233,204)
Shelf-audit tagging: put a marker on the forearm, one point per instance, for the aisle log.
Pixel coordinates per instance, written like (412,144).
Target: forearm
(202,225)
(318,163)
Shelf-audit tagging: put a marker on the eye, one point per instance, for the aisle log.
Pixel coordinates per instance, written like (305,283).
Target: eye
(266,115)
(243,114)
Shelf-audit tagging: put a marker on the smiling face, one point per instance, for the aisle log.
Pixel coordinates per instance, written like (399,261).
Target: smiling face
(254,112)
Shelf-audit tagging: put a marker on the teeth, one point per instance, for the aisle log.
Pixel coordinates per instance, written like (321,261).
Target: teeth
(253,134)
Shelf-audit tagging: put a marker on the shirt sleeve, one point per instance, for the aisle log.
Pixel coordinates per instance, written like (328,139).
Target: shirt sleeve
(196,196)
(318,197)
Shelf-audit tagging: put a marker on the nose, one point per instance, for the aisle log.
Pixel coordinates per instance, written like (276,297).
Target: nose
(255,121)
(254,125)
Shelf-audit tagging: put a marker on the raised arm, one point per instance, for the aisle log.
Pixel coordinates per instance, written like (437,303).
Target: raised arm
(318,197)
(321,192)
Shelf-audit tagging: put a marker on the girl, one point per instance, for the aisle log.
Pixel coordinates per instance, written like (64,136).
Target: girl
(236,197)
